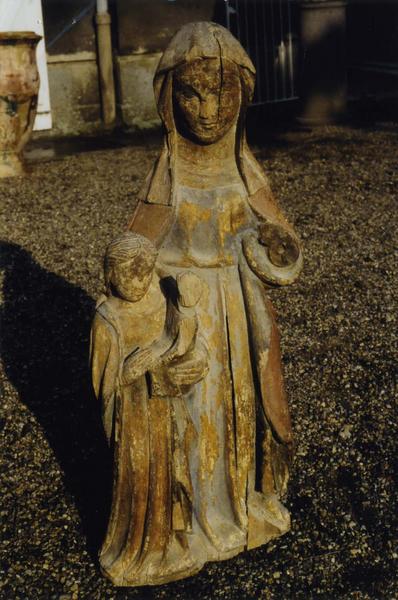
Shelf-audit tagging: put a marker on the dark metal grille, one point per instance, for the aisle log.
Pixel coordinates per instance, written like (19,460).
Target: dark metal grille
(267,30)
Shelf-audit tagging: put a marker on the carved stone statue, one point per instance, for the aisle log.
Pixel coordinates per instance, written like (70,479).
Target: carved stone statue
(185,348)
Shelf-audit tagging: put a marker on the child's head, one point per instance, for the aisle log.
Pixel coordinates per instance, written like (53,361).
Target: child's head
(128,265)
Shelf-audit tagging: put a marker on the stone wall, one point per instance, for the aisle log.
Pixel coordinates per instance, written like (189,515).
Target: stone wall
(144,26)
(135,98)
(143,30)
(140,31)
(74,93)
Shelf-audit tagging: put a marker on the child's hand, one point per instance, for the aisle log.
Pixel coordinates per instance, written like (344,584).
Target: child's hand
(191,368)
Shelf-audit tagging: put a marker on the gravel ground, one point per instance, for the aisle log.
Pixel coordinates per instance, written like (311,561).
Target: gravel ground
(339,341)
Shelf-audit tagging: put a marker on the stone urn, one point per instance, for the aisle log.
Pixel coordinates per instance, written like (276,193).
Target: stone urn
(19,87)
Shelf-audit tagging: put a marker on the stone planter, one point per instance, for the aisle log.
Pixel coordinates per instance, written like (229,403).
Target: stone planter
(323,87)
(19,87)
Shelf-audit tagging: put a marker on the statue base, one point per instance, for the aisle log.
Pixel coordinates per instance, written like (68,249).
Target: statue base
(11,165)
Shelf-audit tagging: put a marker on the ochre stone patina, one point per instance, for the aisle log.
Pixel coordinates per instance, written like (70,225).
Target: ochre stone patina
(19,87)
(185,348)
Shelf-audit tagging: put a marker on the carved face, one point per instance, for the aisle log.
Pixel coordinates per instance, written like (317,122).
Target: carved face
(206,98)
(131,279)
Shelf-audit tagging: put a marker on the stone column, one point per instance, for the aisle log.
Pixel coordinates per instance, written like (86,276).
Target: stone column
(322,82)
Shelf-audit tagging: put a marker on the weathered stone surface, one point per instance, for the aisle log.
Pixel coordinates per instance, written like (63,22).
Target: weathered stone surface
(135,96)
(185,352)
(74,93)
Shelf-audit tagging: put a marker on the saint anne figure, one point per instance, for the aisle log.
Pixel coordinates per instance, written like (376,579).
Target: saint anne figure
(208,208)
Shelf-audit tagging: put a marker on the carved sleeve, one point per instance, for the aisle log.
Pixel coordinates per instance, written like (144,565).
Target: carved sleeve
(104,362)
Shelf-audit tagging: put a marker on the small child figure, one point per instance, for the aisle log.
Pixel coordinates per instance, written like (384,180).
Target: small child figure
(129,317)
(137,325)
(144,325)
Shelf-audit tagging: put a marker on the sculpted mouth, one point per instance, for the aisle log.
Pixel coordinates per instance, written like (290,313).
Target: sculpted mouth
(208,125)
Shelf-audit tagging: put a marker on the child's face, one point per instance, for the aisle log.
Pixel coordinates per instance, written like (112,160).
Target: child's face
(131,281)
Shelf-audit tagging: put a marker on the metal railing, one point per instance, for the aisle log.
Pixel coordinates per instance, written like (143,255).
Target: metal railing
(267,29)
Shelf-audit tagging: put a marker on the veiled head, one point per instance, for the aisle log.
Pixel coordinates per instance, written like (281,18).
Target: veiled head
(203,81)
(211,51)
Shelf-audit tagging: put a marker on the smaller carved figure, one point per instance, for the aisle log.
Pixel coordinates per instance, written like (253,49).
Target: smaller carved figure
(144,324)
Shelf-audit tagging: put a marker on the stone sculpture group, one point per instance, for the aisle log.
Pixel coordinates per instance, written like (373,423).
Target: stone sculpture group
(185,349)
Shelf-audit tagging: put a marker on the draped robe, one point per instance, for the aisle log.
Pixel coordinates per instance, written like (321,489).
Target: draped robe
(236,433)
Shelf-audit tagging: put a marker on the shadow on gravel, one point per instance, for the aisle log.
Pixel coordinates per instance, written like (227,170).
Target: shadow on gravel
(45,335)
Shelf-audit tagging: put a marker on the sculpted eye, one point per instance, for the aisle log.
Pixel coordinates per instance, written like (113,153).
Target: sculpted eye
(189,94)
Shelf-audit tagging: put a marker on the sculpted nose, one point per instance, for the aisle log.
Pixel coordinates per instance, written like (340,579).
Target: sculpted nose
(209,108)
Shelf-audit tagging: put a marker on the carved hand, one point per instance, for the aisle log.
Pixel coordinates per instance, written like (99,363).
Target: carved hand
(283,250)
(191,368)
(137,364)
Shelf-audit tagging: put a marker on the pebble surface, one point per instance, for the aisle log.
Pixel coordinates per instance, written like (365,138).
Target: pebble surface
(339,186)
